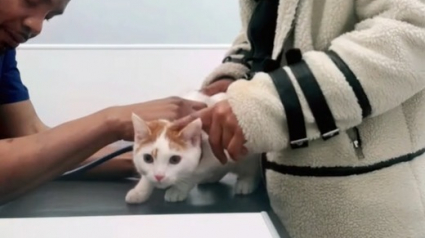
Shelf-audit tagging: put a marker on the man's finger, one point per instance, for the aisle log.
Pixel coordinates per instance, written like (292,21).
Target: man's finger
(182,122)
(209,91)
(227,137)
(196,105)
(235,147)
(219,86)
(215,136)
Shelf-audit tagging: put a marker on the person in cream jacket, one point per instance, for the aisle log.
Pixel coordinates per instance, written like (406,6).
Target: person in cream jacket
(333,92)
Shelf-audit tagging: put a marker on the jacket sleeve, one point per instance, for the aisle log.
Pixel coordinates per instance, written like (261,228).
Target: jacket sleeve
(364,73)
(234,65)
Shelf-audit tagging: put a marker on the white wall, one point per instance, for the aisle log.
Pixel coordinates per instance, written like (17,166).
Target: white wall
(144,22)
(67,82)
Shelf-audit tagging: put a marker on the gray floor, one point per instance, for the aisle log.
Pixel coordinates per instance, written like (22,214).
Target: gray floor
(91,198)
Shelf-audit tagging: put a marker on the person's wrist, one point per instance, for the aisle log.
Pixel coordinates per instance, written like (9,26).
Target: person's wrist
(113,122)
(225,78)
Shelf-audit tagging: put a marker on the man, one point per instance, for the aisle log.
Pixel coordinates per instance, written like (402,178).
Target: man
(340,115)
(31,153)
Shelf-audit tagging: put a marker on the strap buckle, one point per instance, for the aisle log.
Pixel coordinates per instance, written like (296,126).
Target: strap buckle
(301,143)
(328,135)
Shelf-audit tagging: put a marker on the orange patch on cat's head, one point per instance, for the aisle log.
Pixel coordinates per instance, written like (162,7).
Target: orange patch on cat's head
(157,128)
(176,141)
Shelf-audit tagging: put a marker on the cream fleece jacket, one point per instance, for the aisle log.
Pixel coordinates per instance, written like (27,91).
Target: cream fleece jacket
(336,187)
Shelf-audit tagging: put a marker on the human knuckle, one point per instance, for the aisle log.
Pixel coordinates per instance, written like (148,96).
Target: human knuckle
(230,122)
(220,112)
(175,100)
(179,101)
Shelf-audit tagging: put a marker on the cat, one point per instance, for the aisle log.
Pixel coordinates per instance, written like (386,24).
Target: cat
(180,160)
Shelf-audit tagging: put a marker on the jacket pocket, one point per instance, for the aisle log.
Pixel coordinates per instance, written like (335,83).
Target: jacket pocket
(356,141)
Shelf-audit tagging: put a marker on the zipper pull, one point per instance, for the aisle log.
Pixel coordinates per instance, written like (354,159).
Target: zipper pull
(354,136)
(357,143)
(358,150)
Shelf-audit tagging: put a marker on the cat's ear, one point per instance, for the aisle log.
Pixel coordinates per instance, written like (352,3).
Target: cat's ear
(192,132)
(141,129)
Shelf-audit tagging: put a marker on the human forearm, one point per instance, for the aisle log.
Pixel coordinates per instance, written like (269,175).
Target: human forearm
(27,162)
(117,168)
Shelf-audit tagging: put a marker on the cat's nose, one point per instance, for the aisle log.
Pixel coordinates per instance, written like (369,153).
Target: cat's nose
(159,177)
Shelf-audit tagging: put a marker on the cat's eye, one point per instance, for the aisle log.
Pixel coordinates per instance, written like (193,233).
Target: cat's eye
(148,158)
(175,159)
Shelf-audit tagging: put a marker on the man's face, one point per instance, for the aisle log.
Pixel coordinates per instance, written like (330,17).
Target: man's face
(21,20)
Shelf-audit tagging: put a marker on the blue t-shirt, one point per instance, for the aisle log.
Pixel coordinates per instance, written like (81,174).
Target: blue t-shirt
(11,87)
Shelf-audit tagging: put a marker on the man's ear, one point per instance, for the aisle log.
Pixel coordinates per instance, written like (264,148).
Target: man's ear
(192,132)
(141,129)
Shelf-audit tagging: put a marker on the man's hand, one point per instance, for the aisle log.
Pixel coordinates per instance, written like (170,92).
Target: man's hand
(171,108)
(219,86)
(222,126)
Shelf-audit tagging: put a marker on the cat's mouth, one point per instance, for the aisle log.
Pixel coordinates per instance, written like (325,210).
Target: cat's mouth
(162,185)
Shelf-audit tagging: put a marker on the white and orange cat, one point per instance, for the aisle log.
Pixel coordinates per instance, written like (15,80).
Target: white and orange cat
(179,160)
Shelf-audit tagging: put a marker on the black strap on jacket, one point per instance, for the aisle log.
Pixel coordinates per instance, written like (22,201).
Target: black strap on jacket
(313,94)
(292,106)
(353,82)
(242,60)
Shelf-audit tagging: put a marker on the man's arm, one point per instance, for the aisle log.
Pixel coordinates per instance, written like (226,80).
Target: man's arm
(20,119)
(26,162)
(29,161)
(117,168)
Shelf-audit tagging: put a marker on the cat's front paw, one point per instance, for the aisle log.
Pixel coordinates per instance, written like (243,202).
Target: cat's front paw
(245,186)
(175,195)
(135,197)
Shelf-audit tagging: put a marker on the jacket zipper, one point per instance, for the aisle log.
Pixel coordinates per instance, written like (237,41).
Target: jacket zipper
(354,135)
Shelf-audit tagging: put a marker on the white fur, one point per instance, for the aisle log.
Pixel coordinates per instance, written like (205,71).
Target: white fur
(179,179)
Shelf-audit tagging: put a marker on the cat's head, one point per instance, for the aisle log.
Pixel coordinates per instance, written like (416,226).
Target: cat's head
(165,155)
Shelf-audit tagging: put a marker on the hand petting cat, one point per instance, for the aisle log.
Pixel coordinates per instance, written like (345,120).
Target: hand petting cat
(171,108)
(219,86)
(221,124)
